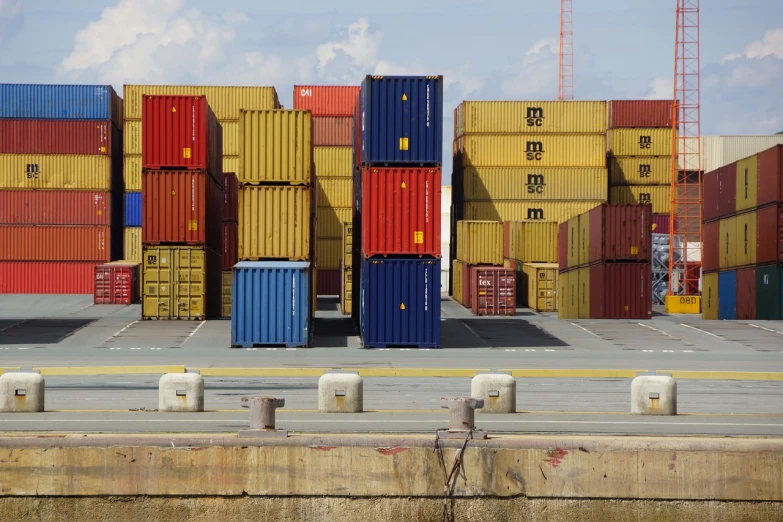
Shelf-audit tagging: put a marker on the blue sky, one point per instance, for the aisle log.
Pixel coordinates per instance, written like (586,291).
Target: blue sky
(496,49)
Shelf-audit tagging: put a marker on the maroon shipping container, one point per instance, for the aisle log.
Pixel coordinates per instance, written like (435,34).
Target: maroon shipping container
(466,293)
(180,207)
(332,131)
(327,282)
(562,246)
(357,131)
(640,113)
(55,243)
(661,223)
(620,291)
(47,277)
(181,132)
(727,180)
(711,196)
(711,249)
(55,207)
(230,197)
(746,293)
(769,248)
(493,290)
(770,176)
(325,100)
(116,284)
(230,246)
(620,233)
(401,211)
(56,137)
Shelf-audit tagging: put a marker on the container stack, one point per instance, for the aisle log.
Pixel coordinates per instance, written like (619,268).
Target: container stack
(182,206)
(332,108)
(530,249)
(229,222)
(346,270)
(398,157)
(272,288)
(743,239)
(604,263)
(60,186)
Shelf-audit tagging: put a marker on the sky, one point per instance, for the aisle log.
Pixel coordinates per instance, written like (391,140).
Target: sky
(490,50)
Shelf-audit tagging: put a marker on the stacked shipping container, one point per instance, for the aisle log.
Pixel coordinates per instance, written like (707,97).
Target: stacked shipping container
(60,178)
(229,222)
(530,249)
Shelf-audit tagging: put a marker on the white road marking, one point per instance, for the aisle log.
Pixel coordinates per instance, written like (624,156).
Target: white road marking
(123,329)
(586,330)
(659,331)
(191,334)
(688,351)
(765,329)
(290,349)
(530,349)
(24,348)
(667,351)
(700,330)
(511,349)
(12,325)
(648,351)
(549,350)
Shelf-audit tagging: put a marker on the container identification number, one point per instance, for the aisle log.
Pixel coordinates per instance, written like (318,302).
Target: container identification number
(688,300)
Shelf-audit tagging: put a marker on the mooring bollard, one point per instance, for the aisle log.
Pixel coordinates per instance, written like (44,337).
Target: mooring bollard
(21,392)
(340,393)
(181,392)
(262,417)
(653,395)
(497,390)
(462,417)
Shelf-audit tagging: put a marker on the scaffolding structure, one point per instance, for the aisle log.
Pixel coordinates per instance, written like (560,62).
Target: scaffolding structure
(565,81)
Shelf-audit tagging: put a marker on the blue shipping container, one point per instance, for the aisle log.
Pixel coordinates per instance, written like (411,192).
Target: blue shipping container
(133,209)
(400,302)
(401,120)
(60,102)
(727,295)
(270,303)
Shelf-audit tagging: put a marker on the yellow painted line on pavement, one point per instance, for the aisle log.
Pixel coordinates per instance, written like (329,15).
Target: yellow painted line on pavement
(724,375)
(261,372)
(416,372)
(110,370)
(573,373)
(8,369)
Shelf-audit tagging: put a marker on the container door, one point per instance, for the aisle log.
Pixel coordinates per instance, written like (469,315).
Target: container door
(584,293)
(727,297)
(767,293)
(709,297)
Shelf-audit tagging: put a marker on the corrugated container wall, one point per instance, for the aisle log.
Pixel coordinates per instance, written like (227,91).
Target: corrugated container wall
(230,197)
(56,171)
(640,170)
(709,297)
(746,294)
(333,131)
(727,243)
(658,197)
(54,207)
(131,172)
(225,101)
(770,175)
(116,284)
(770,235)
(534,150)
(661,223)
(620,291)
(60,102)
(329,253)
(330,221)
(132,244)
(719,151)
(769,293)
(563,241)
(747,238)
(747,183)
(275,222)
(529,183)
(401,120)
(710,242)
(640,113)
(480,242)
(328,282)
(711,196)
(57,137)
(515,117)
(493,291)
(620,233)
(132,137)
(230,248)
(132,209)
(334,192)
(531,241)
(332,162)
(727,295)
(727,181)
(640,142)
(539,281)
(47,277)
(228,279)
(275,145)
(56,243)
(456,271)
(524,210)
(325,100)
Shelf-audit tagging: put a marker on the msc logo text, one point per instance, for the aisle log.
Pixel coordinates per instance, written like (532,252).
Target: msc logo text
(32,171)
(645,171)
(535,117)
(534,151)
(535,184)
(535,213)
(645,142)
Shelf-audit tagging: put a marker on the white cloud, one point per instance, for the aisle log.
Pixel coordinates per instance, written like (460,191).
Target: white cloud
(661,89)
(360,45)
(11,19)
(536,75)
(463,80)
(771,45)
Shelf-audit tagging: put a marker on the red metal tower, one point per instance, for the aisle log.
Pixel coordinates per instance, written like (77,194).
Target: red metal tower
(685,239)
(565,82)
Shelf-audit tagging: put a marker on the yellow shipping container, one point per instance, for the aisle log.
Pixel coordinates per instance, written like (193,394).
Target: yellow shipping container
(529,183)
(583,250)
(640,142)
(131,172)
(55,171)
(275,145)
(727,243)
(456,280)
(533,150)
(525,210)
(747,238)
(584,293)
(539,285)
(328,253)
(275,222)
(747,187)
(709,297)
(333,162)
(573,242)
(347,251)
(480,242)
(346,292)
(335,192)
(176,282)
(330,221)
(640,170)
(231,164)
(225,101)
(659,196)
(228,276)
(132,137)
(563,295)
(530,116)
(533,241)
(132,244)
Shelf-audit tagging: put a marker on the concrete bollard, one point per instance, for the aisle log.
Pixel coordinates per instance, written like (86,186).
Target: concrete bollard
(497,390)
(21,392)
(262,417)
(654,395)
(461,418)
(340,393)
(181,392)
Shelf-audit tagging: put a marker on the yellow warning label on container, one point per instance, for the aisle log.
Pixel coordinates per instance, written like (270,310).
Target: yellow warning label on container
(404,97)
(173,192)
(403,185)
(402,306)
(634,250)
(403,143)
(192,225)
(418,237)
(103,149)
(186,152)
(173,109)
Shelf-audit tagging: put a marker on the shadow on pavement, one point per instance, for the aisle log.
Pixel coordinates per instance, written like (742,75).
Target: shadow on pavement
(39,331)
(495,333)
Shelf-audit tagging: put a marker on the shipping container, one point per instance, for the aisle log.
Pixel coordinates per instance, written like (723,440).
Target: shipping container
(747,183)
(181,132)
(769,292)
(640,142)
(530,150)
(131,172)
(132,244)
(132,137)
(619,233)
(347,249)
(640,113)
(335,192)
(271,304)
(401,120)
(132,209)
(584,305)
(56,243)
(326,100)
(769,230)
(747,238)
(518,117)
(230,163)
(585,237)
(770,175)
(59,137)
(564,295)
(346,291)
(727,181)
(658,197)
(228,278)
(727,243)
(711,252)
(181,207)
(230,249)
(225,101)
(401,208)
(727,295)
(57,171)
(480,242)
(60,102)
(332,162)
(329,253)
(328,282)
(275,222)
(55,207)
(333,131)
(719,151)
(493,291)
(563,241)
(116,284)
(275,146)
(709,297)
(330,221)
(180,282)
(530,241)
(529,183)
(661,223)
(525,211)
(539,280)
(746,294)
(573,246)
(710,196)
(457,277)
(620,291)
(640,170)
(47,277)
(400,303)
(230,197)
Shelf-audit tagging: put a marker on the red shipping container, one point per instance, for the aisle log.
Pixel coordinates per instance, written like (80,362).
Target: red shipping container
(57,137)
(711,249)
(357,130)
(562,246)
(181,132)
(711,196)
(466,301)
(661,223)
(325,100)
(746,294)
(180,207)
(770,176)
(230,247)
(55,207)
(769,248)
(46,277)
(640,113)
(620,291)
(401,211)
(327,282)
(727,180)
(116,284)
(230,197)
(55,243)
(493,290)
(620,232)
(332,131)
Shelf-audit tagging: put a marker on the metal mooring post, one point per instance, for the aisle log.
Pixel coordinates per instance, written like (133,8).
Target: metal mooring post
(262,417)
(462,416)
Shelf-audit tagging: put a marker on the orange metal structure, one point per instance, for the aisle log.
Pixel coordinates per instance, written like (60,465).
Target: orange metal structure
(565,83)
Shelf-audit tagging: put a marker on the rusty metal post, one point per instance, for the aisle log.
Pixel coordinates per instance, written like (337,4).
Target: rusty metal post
(462,417)
(262,417)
